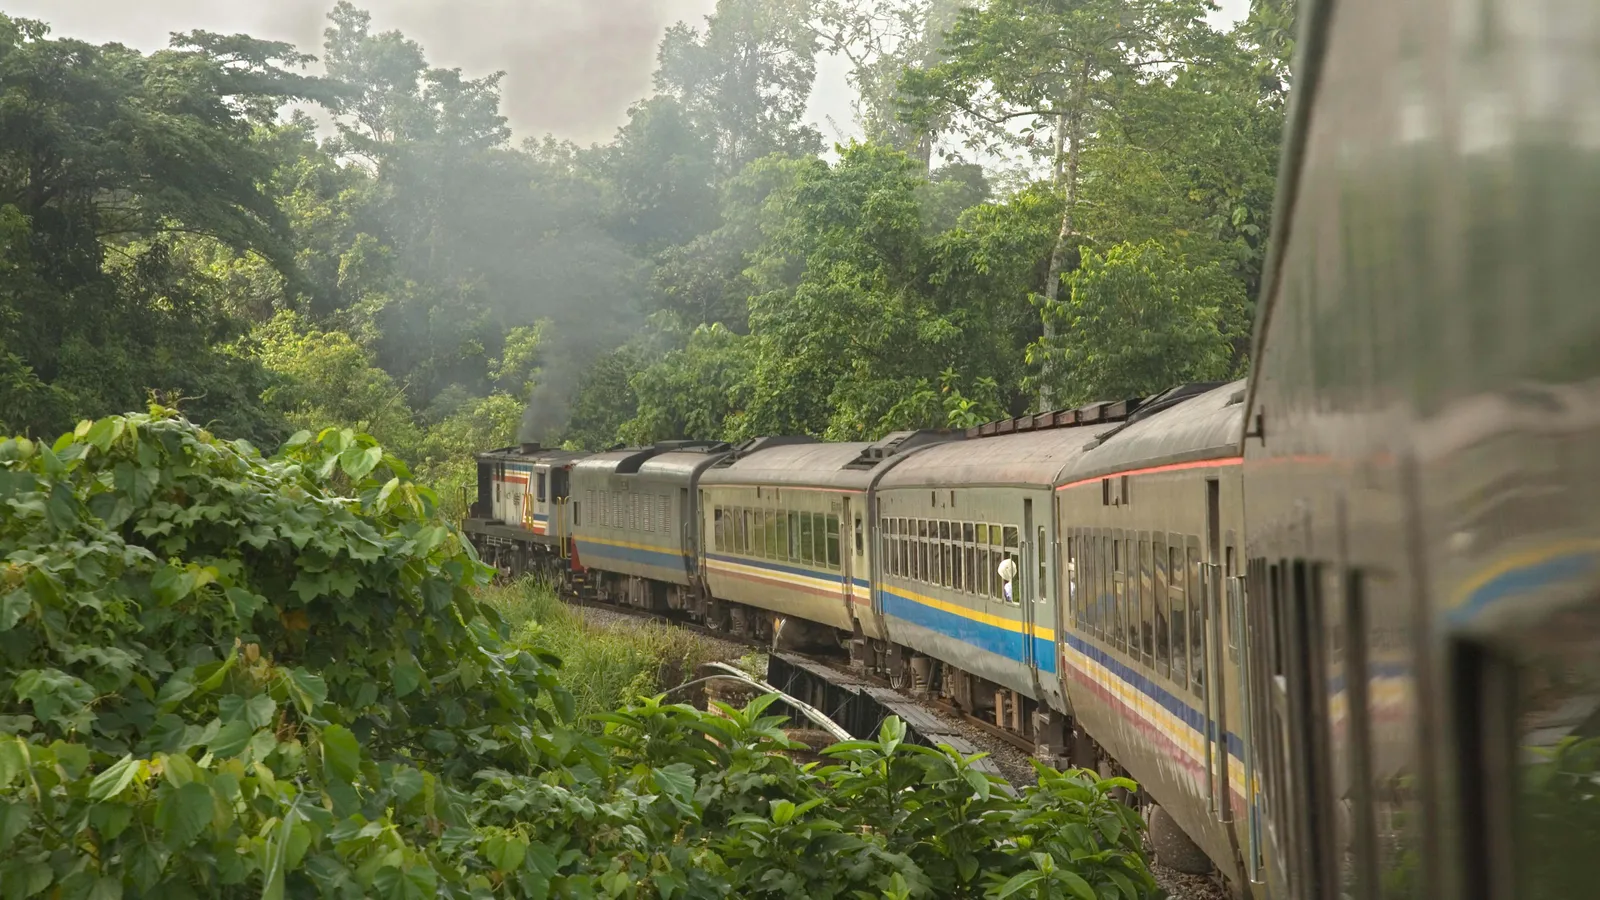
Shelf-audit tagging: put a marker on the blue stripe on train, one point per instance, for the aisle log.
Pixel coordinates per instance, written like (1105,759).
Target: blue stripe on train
(596,550)
(1142,683)
(992,638)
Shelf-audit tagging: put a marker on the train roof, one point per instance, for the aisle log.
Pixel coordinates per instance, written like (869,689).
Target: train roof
(1170,428)
(668,459)
(532,453)
(798,465)
(802,462)
(1029,458)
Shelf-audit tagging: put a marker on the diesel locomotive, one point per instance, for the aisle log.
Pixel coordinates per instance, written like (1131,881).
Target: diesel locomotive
(1341,621)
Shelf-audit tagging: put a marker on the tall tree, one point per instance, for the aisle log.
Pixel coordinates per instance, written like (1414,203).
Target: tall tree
(109,159)
(882,39)
(746,78)
(1051,66)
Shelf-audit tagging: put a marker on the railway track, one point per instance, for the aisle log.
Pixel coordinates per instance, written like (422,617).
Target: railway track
(836,666)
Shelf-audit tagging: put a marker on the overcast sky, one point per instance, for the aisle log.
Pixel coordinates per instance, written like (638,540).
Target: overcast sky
(572,66)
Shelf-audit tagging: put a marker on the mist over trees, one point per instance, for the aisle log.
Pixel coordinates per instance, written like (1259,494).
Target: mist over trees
(168,228)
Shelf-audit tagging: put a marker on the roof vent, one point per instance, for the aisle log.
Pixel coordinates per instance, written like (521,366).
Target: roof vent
(1095,413)
(899,442)
(690,446)
(529,447)
(747,447)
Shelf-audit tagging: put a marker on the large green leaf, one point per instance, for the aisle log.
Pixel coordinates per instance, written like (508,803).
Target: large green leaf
(184,813)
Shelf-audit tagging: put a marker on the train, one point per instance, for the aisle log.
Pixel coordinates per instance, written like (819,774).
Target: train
(1068,577)
(1340,619)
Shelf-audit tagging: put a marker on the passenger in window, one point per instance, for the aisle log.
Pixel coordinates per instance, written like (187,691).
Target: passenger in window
(1007,572)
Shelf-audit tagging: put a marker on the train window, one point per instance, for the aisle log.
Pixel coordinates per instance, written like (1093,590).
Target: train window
(577,517)
(1108,609)
(541,487)
(1130,594)
(716,529)
(1147,604)
(1043,554)
(948,564)
(861,540)
(1178,601)
(833,542)
(760,538)
(1235,607)
(1536,707)
(1161,594)
(913,559)
(958,570)
(1119,623)
(805,537)
(970,564)
(1010,535)
(967,529)
(1197,621)
(980,571)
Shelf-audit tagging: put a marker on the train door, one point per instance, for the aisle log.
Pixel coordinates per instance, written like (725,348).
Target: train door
(686,534)
(539,512)
(1240,645)
(1214,688)
(1289,688)
(851,547)
(1027,590)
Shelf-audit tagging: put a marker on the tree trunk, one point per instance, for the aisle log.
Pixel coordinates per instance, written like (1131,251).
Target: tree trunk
(1069,131)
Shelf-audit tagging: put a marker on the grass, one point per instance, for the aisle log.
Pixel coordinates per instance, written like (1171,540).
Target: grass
(605,666)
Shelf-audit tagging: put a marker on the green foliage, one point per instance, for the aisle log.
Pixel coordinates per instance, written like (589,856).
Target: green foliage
(324,376)
(604,666)
(1558,817)
(746,79)
(230,675)
(1140,320)
(109,161)
(223,678)
(697,391)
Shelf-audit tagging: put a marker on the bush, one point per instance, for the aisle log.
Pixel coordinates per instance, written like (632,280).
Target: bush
(227,675)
